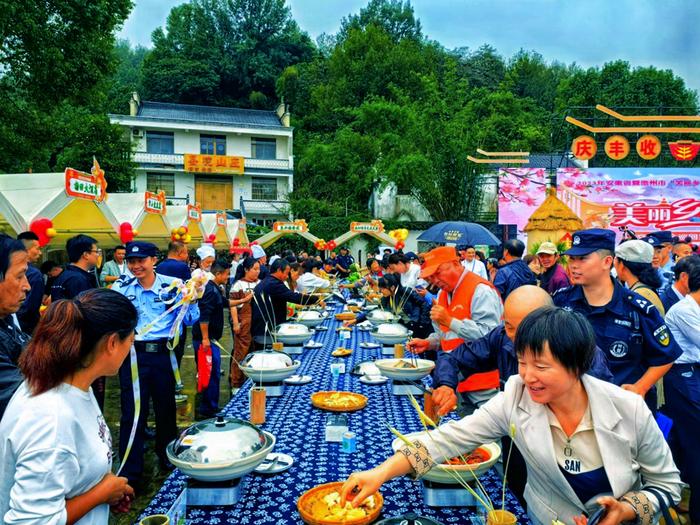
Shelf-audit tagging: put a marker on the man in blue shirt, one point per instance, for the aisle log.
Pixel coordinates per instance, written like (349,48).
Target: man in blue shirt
(79,275)
(515,272)
(628,328)
(662,241)
(343,262)
(211,328)
(175,265)
(675,291)
(28,315)
(150,294)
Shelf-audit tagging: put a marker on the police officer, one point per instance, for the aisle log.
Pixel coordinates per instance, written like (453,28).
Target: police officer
(662,242)
(148,291)
(344,261)
(628,328)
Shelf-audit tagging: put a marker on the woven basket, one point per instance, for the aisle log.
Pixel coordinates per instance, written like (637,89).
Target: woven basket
(304,506)
(317,400)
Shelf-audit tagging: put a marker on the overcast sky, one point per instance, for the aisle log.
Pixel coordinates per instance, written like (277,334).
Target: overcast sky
(589,32)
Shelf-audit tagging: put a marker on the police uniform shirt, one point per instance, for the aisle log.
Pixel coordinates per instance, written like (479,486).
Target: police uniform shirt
(151,303)
(628,329)
(345,261)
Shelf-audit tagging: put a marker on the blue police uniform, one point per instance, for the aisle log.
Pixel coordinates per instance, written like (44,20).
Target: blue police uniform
(629,329)
(345,261)
(156,378)
(660,238)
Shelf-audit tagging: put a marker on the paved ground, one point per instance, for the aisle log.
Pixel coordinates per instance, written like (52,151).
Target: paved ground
(186,415)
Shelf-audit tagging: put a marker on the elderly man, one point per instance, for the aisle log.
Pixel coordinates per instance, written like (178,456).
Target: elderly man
(467,308)
(14,288)
(467,254)
(553,276)
(679,289)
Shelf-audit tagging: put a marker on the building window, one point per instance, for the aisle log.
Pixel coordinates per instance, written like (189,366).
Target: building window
(264,189)
(264,148)
(160,142)
(212,144)
(161,181)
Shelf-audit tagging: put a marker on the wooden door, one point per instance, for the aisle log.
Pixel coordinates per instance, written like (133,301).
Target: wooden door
(214,194)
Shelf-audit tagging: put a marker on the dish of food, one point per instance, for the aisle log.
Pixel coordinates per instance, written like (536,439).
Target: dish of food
(322,506)
(338,401)
(342,352)
(403,363)
(345,316)
(480,455)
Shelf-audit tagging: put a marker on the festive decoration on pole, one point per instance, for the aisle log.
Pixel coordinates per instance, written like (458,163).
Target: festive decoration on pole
(181,234)
(684,150)
(320,245)
(648,147)
(43,228)
(617,147)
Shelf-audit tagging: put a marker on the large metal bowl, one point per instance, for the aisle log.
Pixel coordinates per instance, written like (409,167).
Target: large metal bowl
(378,317)
(220,449)
(311,318)
(293,333)
(446,473)
(388,368)
(269,367)
(390,333)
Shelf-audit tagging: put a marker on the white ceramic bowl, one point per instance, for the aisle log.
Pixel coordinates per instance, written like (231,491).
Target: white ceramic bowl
(386,366)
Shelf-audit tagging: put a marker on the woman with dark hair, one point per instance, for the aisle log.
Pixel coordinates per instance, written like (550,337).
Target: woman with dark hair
(586,443)
(241,315)
(295,272)
(633,266)
(55,447)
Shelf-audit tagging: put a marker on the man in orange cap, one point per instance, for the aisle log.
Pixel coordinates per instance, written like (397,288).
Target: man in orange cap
(467,308)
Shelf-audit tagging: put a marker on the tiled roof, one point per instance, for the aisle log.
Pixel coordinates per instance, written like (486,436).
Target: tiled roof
(209,115)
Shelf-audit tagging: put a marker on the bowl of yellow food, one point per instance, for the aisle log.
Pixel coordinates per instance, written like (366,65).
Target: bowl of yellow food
(321,505)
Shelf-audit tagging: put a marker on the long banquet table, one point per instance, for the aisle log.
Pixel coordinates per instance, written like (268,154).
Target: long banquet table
(300,432)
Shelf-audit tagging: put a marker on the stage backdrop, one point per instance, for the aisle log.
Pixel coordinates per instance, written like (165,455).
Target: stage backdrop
(641,199)
(520,192)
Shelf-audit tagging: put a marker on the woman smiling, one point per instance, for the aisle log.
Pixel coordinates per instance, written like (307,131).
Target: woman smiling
(586,443)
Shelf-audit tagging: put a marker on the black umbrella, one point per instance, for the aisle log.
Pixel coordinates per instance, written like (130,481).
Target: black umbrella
(458,232)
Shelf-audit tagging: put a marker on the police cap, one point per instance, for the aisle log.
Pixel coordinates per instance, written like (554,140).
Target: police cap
(139,249)
(587,241)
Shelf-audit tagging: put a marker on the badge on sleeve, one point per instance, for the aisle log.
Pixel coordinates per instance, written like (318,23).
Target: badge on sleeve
(662,335)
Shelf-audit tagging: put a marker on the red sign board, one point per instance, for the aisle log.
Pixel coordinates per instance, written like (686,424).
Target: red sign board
(221,220)
(154,202)
(81,185)
(194,213)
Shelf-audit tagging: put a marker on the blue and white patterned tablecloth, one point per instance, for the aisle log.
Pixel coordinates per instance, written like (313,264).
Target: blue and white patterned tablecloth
(300,432)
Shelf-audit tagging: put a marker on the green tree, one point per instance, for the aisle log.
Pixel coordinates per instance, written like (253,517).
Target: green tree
(483,67)
(227,52)
(395,17)
(127,75)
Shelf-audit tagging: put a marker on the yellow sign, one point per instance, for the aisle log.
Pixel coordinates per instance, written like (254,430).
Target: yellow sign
(213,164)
(376,226)
(648,147)
(290,227)
(617,147)
(584,147)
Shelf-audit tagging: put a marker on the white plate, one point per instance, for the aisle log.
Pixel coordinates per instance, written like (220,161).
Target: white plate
(321,328)
(298,380)
(373,380)
(370,345)
(313,344)
(269,466)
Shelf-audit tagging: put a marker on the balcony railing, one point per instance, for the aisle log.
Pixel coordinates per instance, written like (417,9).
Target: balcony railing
(178,159)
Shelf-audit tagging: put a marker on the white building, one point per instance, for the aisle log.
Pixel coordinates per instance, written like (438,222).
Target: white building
(220,141)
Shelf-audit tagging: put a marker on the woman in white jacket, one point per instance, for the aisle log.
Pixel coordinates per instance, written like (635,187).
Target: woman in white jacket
(586,443)
(311,279)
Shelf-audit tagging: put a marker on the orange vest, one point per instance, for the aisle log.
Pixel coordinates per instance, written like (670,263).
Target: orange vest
(460,308)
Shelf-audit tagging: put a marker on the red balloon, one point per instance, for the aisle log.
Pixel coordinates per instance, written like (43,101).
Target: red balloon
(211,238)
(126,232)
(39,227)
(236,242)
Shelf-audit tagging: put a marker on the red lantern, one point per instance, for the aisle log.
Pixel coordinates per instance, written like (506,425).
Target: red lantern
(43,228)
(126,232)
(331,245)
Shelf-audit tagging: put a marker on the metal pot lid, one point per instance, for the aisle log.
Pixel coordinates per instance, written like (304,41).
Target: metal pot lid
(292,329)
(408,519)
(267,360)
(391,329)
(219,440)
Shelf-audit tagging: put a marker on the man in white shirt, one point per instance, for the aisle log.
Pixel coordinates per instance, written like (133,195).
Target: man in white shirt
(410,273)
(310,280)
(467,255)
(682,389)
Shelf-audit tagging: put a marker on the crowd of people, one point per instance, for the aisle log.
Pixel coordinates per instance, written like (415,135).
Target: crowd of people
(583,353)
